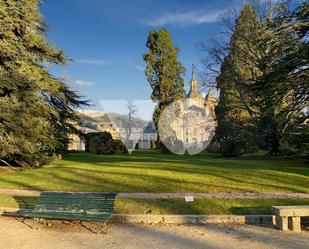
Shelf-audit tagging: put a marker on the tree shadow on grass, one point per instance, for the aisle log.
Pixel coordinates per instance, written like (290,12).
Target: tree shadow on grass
(234,179)
(140,182)
(197,162)
(89,179)
(232,172)
(258,210)
(140,173)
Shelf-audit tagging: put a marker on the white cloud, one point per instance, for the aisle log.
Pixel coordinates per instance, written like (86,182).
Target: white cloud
(91,61)
(186,18)
(83,83)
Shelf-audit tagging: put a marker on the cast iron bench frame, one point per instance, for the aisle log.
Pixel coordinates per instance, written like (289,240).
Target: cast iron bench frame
(288,217)
(81,206)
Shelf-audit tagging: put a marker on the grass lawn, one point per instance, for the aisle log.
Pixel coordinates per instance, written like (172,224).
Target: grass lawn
(176,206)
(155,172)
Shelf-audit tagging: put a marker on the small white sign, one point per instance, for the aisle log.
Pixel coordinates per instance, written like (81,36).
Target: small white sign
(189,198)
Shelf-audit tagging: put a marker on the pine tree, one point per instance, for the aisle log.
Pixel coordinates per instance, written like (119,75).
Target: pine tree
(164,72)
(36,109)
(284,88)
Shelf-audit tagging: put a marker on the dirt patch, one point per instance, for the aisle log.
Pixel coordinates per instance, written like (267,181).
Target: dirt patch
(4,169)
(67,235)
(65,226)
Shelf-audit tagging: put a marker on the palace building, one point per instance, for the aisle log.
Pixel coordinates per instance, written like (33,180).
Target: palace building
(191,121)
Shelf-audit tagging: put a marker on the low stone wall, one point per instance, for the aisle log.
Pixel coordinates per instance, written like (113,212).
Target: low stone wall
(170,219)
(192,219)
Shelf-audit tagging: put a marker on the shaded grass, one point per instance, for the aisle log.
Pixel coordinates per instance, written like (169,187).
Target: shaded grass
(176,206)
(151,171)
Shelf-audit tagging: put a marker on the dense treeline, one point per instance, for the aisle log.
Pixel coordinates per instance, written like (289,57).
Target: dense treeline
(36,109)
(263,82)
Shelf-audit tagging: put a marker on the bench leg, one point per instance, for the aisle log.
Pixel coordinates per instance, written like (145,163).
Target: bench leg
(294,224)
(33,223)
(99,225)
(282,223)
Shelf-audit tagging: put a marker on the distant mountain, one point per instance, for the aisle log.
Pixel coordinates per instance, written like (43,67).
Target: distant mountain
(101,121)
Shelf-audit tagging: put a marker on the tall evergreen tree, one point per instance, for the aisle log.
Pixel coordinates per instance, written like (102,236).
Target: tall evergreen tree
(164,72)
(238,71)
(36,109)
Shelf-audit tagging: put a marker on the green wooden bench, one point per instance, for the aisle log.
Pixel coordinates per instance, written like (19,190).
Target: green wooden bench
(74,206)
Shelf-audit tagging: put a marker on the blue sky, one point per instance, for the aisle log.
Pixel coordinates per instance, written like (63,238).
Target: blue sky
(106,40)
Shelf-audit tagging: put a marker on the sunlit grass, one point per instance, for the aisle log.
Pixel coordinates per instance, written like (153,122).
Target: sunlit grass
(155,172)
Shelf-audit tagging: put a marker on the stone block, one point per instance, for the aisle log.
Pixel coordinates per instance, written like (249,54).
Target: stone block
(294,224)
(282,223)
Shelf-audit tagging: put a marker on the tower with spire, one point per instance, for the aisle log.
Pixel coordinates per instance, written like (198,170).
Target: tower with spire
(195,98)
(193,83)
(194,92)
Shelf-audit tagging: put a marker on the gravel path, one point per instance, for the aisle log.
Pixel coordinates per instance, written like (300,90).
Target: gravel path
(16,235)
(224,195)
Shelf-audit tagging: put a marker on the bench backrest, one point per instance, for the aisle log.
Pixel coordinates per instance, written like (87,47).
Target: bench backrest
(74,206)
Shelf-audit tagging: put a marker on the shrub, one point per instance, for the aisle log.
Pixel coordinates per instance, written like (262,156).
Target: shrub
(100,143)
(231,147)
(238,145)
(213,147)
(119,145)
(89,141)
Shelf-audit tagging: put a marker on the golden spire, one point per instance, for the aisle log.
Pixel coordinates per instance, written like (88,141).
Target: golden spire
(193,83)
(193,71)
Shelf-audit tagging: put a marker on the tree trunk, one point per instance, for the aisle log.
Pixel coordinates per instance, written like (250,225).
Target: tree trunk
(274,143)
